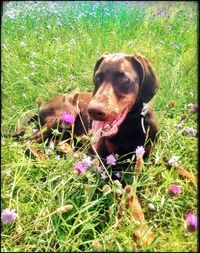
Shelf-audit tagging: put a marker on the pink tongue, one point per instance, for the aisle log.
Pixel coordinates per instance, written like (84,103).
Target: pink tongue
(105,129)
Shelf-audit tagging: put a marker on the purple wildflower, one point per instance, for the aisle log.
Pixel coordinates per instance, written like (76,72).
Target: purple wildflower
(103,175)
(173,161)
(87,162)
(117,174)
(8,215)
(139,151)
(191,221)
(174,190)
(97,169)
(111,160)
(193,107)
(80,168)
(191,131)
(67,118)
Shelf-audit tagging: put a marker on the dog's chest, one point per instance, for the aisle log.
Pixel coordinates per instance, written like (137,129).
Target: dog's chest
(111,147)
(125,141)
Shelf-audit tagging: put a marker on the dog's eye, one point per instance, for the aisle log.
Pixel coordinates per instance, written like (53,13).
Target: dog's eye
(98,79)
(122,79)
(123,84)
(125,80)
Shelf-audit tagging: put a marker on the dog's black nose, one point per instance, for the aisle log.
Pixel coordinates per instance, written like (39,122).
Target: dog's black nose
(97,112)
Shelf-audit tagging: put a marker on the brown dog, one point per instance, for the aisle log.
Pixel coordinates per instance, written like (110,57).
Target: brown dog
(116,112)
(48,117)
(122,121)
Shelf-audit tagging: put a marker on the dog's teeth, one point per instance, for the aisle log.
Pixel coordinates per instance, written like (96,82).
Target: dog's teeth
(106,128)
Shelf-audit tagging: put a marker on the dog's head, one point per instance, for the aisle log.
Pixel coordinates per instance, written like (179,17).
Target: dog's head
(120,81)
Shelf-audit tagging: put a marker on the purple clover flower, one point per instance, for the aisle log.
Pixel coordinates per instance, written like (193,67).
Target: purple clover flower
(101,171)
(103,175)
(174,190)
(80,168)
(117,174)
(191,222)
(193,107)
(139,152)
(191,131)
(97,169)
(111,160)
(87,161)
(67,118)
(8,216)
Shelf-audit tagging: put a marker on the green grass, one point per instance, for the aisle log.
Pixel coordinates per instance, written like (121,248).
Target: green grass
(68,38)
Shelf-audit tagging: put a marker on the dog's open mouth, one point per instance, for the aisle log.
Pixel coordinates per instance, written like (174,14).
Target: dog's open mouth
(107,129)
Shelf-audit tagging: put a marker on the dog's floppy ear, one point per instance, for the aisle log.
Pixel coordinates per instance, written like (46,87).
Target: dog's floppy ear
(149,83)
(99,62)
(71,100)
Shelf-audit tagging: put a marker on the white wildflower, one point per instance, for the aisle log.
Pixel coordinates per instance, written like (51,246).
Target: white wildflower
(32,64)
(23,44)
(173,161)
(33,54)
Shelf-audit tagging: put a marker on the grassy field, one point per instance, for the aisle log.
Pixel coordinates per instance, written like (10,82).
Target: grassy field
(49,48)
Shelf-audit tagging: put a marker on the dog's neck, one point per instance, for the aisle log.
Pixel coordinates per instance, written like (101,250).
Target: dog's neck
(137,109)
(137,114)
